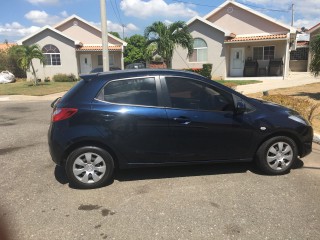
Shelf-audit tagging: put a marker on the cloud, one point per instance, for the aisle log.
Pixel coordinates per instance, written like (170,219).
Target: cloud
(159,8)
(306,12)
(116,27)
(15,29)
(49,2)
(42,18)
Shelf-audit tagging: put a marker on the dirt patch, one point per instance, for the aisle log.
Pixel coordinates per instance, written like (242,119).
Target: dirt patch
(308,91)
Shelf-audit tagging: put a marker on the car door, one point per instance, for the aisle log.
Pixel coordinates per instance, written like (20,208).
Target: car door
(132,120)
(202,121)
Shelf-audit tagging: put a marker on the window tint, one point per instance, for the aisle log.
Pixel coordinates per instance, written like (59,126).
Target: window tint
(191,94)
(140,91)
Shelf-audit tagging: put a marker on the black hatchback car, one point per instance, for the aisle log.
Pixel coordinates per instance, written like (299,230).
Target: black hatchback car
(136,118)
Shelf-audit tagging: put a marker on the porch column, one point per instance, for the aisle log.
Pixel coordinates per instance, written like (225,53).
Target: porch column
(287,58)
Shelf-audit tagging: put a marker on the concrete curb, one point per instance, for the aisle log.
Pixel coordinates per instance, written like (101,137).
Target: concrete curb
(316,138)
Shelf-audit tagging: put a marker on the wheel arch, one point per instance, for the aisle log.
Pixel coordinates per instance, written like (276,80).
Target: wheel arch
(284,134)
(93,143)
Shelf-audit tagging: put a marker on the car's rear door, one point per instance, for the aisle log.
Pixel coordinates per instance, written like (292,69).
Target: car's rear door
(202,121)
(133,121)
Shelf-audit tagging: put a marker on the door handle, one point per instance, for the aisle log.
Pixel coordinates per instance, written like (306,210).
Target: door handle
(182,120)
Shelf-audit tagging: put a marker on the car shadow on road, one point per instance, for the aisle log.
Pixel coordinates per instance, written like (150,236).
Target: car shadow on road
(184,171)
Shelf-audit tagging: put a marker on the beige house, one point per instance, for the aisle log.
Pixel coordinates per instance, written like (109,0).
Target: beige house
(239,42)
(73,46)
(315,30)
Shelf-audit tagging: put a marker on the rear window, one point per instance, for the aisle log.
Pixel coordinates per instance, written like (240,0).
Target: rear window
(141,91)
(73,90)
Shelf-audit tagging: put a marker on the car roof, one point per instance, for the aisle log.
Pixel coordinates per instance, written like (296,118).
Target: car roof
(139,72)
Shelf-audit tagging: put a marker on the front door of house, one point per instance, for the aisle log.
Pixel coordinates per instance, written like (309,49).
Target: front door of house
(236,62)
(85,63)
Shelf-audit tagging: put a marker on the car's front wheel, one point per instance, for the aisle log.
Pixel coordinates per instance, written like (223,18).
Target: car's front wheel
(277,155)
(89,167)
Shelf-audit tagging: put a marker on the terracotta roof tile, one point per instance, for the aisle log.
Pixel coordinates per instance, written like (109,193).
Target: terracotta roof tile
(98,48)
(4,46)
(257,38)
(305,43)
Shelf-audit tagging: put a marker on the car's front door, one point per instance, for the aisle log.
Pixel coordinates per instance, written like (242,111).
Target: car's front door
(202,121)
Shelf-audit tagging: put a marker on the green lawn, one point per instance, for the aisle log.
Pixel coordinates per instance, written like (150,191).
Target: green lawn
(238,82)
(27,88)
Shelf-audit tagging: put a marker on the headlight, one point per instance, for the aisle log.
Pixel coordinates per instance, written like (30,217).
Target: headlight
(299,119)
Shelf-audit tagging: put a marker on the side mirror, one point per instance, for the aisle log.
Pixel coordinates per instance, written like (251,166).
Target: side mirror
(241,108)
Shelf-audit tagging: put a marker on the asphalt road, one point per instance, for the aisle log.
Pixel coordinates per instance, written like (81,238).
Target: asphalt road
(221,201)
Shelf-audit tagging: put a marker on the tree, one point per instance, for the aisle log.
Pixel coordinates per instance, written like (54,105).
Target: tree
(25,54)
(167,37)
(116,34)
(315,50)
(135,50)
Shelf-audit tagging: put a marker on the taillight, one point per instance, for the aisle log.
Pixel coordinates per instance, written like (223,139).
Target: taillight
(63,113)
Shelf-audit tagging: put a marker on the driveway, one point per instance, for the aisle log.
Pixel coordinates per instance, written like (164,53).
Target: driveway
(221,201)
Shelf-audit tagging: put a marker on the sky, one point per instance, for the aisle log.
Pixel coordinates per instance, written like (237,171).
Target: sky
(20,18)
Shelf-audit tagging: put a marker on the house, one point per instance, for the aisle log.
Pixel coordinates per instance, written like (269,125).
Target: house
(299,52)
(314,31)
(73,46)
(239,42)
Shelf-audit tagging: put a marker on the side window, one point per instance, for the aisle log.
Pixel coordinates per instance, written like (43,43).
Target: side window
(140,91)
(191,94)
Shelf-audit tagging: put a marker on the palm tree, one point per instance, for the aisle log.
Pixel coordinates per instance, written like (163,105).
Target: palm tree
(167,37)
(25,54)
(315,61)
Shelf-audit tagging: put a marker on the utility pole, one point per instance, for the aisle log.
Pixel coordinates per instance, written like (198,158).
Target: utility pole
(123,26)
(292,14)
(104,32)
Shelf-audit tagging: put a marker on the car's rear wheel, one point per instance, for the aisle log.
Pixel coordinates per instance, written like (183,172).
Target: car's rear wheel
(89,167)
(277,155)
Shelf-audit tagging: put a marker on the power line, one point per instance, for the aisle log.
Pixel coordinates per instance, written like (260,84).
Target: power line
(249,5)
(117,8)
(114,11)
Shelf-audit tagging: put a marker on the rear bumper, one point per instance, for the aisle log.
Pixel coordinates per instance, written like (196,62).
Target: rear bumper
(56,151)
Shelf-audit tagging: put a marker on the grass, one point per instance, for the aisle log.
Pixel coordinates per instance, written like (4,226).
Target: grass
(238,82)
(308,91)
(27,88)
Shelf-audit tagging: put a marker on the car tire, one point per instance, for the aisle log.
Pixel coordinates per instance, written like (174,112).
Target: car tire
(277,155)
(89,167)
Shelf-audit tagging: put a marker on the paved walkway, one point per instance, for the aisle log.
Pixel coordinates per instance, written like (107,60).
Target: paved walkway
(294,79)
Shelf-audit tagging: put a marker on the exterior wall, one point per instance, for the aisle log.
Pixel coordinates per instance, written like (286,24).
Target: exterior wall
(298,65)
(83,32)
(67,55)
(216,51)
(243,22)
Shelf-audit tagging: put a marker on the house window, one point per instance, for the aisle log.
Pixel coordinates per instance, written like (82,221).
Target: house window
(52,55)
(263,53)
(200,51)
(111,60)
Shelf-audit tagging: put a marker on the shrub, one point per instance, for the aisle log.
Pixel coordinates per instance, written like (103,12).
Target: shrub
(206,70)
(60,77)
(305,107)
